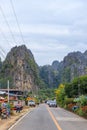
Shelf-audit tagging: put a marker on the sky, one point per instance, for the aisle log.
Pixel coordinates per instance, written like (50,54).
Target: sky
(50,28)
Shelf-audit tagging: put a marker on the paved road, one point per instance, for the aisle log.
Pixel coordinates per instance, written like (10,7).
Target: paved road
(68,120)
(45,118)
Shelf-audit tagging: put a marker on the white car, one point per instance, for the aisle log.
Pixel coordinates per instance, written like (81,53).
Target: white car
(53,104)
(48,102)
(31,103)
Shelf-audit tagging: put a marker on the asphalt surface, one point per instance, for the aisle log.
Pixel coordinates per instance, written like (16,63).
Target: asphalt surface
(38,119)
(45,118)
(68,120)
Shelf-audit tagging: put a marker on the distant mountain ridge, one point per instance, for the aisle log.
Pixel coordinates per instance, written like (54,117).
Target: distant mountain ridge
(73,65)
(23,72)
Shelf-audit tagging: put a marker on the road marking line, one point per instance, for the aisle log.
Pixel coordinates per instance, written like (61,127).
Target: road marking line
(54,119)
(19,120)
(74,119)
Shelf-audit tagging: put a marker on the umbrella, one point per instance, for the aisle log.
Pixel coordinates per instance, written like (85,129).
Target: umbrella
(1,92)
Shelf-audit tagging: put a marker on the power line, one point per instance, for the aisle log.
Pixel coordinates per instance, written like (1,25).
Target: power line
(17,21)
(2,52)
(4,36)
(7,24)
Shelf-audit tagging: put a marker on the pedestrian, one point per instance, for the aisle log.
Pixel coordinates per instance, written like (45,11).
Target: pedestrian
(8,110)
(18,107)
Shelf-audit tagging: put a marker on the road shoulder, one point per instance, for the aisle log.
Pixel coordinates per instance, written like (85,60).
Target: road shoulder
(5,124)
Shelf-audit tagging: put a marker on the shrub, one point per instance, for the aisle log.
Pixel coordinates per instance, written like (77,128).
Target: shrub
(80,112)
(68,100)
(84,109)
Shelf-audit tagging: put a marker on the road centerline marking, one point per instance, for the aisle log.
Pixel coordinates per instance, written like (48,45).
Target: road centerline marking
(54,119)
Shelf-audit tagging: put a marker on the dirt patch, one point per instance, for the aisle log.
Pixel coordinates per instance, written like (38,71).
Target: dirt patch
(5,124)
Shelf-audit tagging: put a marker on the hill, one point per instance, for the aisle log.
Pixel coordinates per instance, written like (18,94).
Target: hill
(72,66)
(21,70)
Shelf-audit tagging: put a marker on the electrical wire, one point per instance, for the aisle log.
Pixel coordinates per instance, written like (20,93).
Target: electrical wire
(17,21)
(7,24)
(4,36)
(2,52)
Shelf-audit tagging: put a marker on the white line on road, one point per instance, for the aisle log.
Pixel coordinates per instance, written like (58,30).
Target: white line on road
(70,119)
(19,120)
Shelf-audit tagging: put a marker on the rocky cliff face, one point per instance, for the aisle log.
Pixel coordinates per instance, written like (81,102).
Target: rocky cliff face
(20,66)
(49,74)
(24,74)
(73,65)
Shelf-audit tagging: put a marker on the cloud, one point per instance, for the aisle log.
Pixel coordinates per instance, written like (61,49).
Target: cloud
(50,28)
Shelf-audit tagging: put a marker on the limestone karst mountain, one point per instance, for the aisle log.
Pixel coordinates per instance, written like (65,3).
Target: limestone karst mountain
(23,72)
(72,66)
(21,69)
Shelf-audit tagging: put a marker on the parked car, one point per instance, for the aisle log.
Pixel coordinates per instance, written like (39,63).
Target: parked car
(31,103)
(48,102)
(53,104)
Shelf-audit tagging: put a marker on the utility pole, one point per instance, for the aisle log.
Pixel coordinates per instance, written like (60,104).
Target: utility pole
(79,90)
(8,90)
